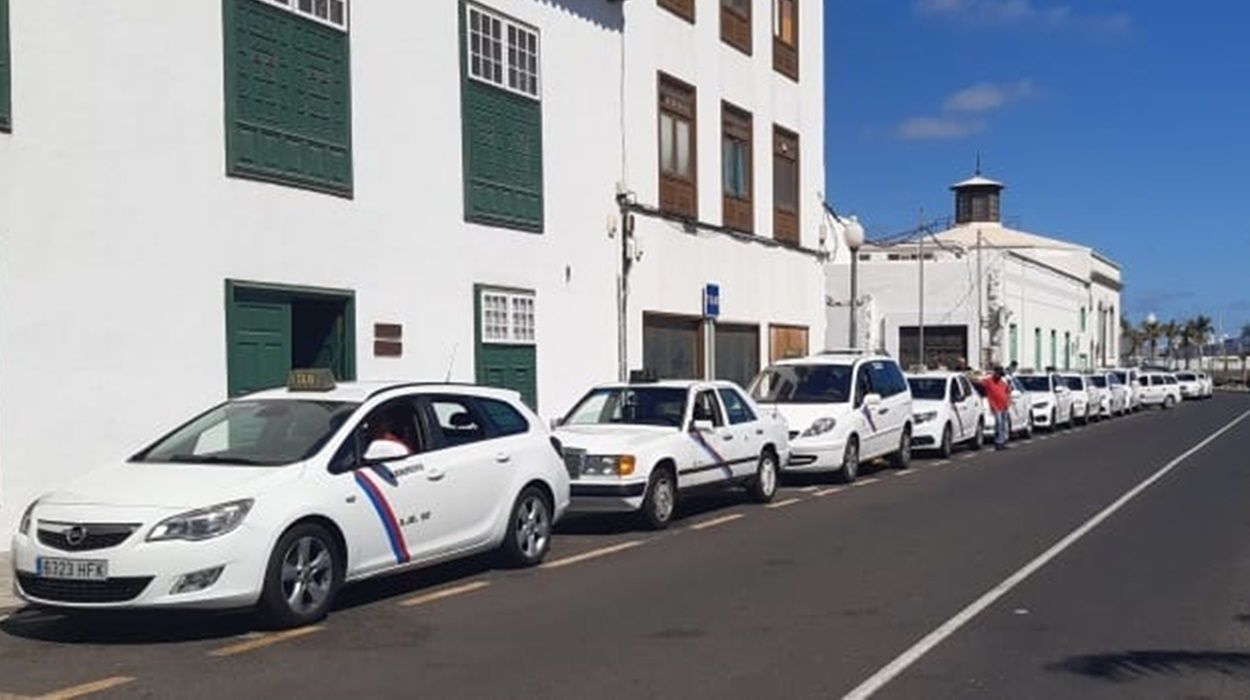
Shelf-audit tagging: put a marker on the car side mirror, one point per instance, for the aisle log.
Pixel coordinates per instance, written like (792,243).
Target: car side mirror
(872,400)
(384,451)
(699,425)
(557,422)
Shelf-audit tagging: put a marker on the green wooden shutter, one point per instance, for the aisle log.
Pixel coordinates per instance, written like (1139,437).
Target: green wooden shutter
(259,346)
(5,99)
(502,140)
(288,98)
(504,365)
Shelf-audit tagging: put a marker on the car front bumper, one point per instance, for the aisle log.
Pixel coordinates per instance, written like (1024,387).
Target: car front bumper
(927,435)
(816,456)
(1042,417)
(606,496)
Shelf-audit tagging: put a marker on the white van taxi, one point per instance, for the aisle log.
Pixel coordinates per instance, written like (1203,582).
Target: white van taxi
(277,498)
(842,407)
(946,411)
(636,447)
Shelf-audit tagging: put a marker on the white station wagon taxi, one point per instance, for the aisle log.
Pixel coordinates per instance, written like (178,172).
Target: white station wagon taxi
(635,447)
(277,498)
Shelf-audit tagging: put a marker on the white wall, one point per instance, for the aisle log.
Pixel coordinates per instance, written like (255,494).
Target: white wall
(118,226)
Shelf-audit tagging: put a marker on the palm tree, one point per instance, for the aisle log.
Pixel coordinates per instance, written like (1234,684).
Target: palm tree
(1171,331)
(1130,338)
(1188,335)
(1151,332)
(1203,328)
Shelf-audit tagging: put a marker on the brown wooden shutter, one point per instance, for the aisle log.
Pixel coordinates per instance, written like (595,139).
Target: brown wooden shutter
(678,192)
(786,38)
(786,186)
(735,24)
(739,212)
(786,342)
(681,8)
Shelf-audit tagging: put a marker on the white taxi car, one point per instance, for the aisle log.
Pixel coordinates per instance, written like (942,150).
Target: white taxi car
(1082,400)
(1192,386)
(843,407)
(946,411)
(1208,385)
(1113,397)
(636,447)
(1128,377)
(1052,399)
(277,498)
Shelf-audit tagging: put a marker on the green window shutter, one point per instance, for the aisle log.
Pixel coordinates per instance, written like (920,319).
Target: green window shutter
(5,100)
(502,143)
(288,98)
(504,365)
(260,346)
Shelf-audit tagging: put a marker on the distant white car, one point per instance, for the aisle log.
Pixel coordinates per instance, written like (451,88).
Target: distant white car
(1019,416)
(637,447)
(1128,377)
(1082,400)
(1052,399)
(1192,386)
(842,408)
(1158,389)
(1208,385)
(1112,395)
(946,411)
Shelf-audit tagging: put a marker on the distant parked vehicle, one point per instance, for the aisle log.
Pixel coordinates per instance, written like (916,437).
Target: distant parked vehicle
(1113,396)
(1019,416)
(1082,403)
(1128,377)
(946,411)
(1191,385)
(1156,390)
(1052,399)
(1208,385)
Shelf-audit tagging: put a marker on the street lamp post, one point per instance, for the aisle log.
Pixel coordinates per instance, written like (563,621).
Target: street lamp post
(1152,320)
(854,235)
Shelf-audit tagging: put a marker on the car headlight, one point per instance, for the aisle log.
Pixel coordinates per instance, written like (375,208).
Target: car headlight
(924,417)
(202,524)
(24,527)
(819,427)
(608,465)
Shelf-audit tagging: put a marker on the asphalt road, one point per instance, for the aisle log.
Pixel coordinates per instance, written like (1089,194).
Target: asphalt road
(830,591)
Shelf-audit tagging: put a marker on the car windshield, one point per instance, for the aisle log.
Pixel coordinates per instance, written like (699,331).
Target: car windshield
(630,405)
(1074,383)
(1187,377)
(803,384)
(1035,383)
(266,432)
(1098,381)
(1122,376)
(927,387)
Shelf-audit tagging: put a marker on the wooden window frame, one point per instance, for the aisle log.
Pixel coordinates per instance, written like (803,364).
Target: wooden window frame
(772,349)
(786,56)
(786,227)
(682,8)
(738,213)
(676,191)
(520,316)
(313,10)
(735,27)
(514,56)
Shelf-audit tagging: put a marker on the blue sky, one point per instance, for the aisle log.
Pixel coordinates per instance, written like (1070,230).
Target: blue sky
(1119,124)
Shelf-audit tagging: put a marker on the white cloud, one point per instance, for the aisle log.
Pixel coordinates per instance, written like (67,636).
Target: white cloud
(939,128)
(1024,12)
(964,112)
(986,97)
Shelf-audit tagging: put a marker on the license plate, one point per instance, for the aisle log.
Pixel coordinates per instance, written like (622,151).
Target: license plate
(72,569)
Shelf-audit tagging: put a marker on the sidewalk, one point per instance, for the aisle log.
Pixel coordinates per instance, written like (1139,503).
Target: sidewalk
(8,601)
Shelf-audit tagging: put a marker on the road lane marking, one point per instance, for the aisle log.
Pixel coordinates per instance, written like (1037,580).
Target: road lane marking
(826,492)
(941,462)
(264,640)
(86,689)
(865,482)
(810,489)
(592,554)
(926,644)
(905,472)
(716,521)
(444,593)
(783,504)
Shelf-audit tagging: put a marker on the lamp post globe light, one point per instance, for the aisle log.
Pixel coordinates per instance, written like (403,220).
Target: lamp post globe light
(1151,321)
(853,233)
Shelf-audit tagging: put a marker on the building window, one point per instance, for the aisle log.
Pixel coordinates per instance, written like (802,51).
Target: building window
(735,24)
(6,110)
(678,154)
(507,317)
(506,347)
(786,38)
(672,346)
(288,93)
(785,186)
(737,352)
(736,140)
(1014,335)
(1082,319)
(501,120)
(682,8)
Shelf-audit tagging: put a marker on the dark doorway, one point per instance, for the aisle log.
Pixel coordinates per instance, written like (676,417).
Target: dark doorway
(944,346)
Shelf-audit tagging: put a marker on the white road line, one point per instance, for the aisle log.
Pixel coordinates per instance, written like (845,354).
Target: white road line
(264,640)
(716,521)
(900,664)
(444,593)
(810,489)
(968,456)
(828,491)
(783,504)
(592,554)
(941,462)
(865,482)
(905,472)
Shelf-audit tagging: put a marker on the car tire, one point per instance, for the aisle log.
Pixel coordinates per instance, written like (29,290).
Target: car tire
(763,486)
(1028,425)
(303,577)
(978,440)
(850,461)
(528,536)
(901,459)
(947,446)
(660,502)
(1168,403)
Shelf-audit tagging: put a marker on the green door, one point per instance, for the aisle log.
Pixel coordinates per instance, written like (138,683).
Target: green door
(506,353)
(260,346)
(509,367)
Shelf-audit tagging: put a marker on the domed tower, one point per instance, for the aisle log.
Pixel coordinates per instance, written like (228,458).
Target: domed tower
(977,200)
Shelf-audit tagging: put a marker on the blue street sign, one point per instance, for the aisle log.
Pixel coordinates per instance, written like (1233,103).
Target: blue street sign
(711,300)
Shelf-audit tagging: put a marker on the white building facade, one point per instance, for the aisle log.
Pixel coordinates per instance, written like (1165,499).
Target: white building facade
(196,198)
(991,295)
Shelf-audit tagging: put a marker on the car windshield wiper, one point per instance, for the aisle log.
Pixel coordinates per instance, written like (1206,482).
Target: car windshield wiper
(216,459)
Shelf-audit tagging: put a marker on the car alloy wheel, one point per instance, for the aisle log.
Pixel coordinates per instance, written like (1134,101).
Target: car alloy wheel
(901,459)
(661,500)
(850,461)
(947,447)
(307,574)
(764,486)
(532,525)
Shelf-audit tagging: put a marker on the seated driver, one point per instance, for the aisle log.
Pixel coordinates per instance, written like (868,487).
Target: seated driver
(382,427)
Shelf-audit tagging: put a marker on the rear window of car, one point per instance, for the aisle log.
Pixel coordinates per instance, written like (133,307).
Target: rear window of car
(1035,383)
(1187,377)
(927,387)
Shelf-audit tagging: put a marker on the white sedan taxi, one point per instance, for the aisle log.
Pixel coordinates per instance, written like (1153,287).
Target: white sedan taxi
(946,411)
(277,498)
(635,447)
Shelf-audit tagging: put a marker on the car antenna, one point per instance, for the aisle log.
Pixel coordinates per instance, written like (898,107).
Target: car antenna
(451,363)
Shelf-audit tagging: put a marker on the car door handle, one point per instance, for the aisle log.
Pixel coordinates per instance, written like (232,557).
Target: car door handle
(503,457)
(759,431)
(883,411)
(435,474)
(727,438)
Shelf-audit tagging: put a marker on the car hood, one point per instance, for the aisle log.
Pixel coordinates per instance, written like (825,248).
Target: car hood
(799,416)
(612,439)
(155,485)
(922,405)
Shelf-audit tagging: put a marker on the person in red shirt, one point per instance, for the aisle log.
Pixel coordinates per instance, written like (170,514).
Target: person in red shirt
(998,393)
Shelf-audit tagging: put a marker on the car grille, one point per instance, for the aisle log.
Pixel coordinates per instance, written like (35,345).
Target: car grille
(75,537)
(114,590)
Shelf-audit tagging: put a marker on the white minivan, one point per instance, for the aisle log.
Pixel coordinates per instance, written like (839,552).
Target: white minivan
(842,407)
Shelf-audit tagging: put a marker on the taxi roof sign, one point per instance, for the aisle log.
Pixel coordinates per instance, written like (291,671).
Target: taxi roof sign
(310,380)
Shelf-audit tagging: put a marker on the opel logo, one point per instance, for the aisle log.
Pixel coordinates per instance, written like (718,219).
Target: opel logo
(75,535)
